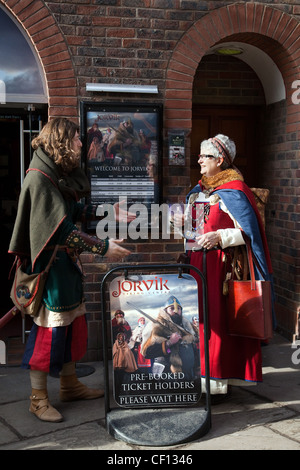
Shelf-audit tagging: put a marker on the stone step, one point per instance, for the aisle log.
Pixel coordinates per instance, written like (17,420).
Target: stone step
(14,351)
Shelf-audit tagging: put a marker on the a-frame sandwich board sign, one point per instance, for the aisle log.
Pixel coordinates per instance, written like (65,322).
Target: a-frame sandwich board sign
(154,370)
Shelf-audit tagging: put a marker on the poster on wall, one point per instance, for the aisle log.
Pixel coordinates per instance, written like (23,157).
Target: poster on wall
(122,152)
(176,148)
(155,340)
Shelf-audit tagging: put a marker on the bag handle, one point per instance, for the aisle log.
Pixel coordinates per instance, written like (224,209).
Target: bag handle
(248,259)
(251,266)
(237,251)
(247,241)
(51,259)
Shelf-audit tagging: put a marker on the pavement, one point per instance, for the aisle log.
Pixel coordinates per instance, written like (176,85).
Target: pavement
(261,417)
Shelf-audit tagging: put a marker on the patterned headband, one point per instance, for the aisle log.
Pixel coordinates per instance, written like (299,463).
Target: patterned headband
(222,149)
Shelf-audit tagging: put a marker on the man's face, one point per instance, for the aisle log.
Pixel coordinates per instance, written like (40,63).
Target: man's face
(76,145)
(119,318)
(175,313)
(172,311)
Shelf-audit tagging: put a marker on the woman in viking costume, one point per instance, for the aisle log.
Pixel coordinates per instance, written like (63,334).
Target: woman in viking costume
(48,209)
(221,209)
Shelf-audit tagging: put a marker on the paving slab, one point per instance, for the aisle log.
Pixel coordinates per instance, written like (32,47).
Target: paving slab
(261,417)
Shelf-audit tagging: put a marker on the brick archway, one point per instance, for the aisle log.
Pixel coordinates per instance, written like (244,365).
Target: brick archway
(53,53)
(272,30)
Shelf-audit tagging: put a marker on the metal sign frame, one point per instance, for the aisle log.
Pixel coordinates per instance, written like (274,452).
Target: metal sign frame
(161,426)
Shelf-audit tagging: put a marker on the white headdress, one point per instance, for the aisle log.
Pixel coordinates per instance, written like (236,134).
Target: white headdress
(219,146)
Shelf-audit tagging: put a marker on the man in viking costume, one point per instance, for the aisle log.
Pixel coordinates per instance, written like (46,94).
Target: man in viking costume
(169,341)
(48,209)
(125,143)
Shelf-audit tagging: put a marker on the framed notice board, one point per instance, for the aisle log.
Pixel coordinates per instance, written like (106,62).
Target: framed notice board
(122,150)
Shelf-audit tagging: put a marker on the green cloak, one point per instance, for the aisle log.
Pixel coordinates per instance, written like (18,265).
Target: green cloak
(43,205)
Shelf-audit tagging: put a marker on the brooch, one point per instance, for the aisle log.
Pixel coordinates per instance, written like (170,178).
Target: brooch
(214,199)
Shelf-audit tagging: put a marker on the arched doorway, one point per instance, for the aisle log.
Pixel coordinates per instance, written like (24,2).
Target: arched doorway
(227,99)
(275,34)
(232,86)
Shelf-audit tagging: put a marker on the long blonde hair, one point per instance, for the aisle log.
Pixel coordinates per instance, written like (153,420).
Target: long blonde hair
(56,140)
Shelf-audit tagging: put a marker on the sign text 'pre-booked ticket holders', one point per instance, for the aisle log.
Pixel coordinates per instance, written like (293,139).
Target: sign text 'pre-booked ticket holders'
(155,373)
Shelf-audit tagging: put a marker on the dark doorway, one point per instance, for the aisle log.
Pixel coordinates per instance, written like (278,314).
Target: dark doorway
(18,126)
(240,123)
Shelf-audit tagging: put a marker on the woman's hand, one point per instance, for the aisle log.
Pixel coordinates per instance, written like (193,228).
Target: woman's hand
(115,251)
(122,215)
(209,240)
(178,219)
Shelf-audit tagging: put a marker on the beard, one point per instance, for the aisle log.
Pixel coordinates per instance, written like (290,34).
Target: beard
(176,319)
(70,162)
(120,321)
(75,158)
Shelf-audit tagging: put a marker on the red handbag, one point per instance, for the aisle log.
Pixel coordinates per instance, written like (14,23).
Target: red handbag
(249,305)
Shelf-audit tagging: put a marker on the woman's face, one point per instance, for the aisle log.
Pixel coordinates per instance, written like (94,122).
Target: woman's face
(210,166)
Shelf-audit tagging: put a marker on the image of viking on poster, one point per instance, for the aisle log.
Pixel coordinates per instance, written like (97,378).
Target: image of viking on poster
(157,364)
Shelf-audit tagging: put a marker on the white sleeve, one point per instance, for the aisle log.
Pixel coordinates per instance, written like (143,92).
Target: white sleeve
(230,236)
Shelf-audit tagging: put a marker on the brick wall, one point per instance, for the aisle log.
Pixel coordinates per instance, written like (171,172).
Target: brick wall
(280,163)
(226,81)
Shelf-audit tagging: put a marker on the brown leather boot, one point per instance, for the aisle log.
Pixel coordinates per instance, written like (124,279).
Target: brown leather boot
(41,408)
(71,389)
